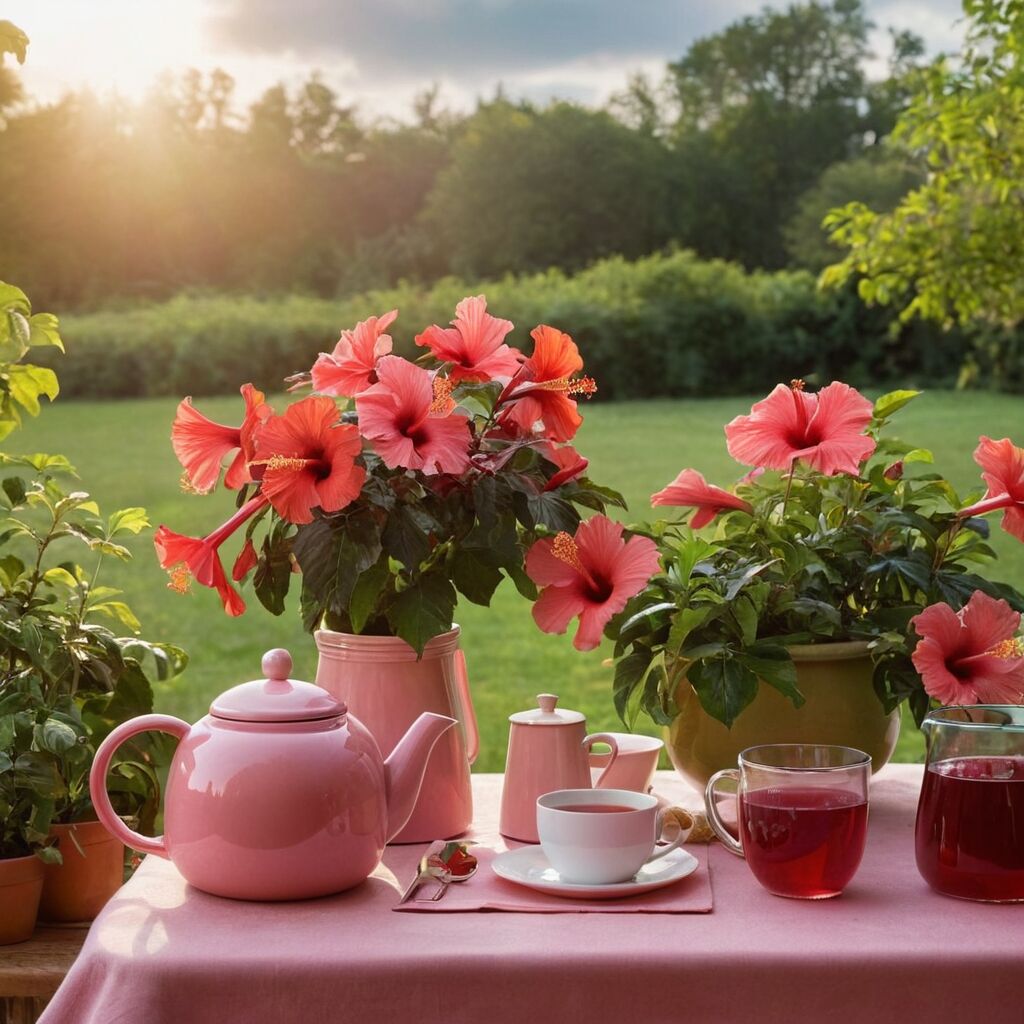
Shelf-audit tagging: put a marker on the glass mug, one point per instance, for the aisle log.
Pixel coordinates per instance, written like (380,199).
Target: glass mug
(802,816)
(969,835)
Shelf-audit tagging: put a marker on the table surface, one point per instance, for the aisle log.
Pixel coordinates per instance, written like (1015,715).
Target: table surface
(888,949)
(35,968)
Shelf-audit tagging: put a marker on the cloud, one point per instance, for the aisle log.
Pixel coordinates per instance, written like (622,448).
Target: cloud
(468,40)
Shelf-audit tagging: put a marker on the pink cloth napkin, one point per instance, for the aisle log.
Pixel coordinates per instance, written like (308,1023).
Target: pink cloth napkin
(486,891)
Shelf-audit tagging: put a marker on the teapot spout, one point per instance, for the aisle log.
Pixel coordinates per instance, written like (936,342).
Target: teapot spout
(403,770)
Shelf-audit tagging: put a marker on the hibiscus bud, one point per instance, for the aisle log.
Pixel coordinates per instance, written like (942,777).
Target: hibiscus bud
(895,471)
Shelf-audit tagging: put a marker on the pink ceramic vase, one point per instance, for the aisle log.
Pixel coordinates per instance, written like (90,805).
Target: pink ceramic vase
(387,688)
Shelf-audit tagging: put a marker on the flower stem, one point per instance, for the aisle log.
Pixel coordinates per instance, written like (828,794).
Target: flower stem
(789,487)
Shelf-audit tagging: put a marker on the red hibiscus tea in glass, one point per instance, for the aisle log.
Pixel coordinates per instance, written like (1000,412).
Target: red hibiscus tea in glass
(803,841)
(970,819)
(802,816)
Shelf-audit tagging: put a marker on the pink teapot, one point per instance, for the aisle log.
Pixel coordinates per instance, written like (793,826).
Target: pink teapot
(278,793)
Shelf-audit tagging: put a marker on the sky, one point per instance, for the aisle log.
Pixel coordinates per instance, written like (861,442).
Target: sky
(381,53)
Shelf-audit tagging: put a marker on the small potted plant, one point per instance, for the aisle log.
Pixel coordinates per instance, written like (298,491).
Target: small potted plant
(391,492)
(21,870)
(799,618)
(67,678)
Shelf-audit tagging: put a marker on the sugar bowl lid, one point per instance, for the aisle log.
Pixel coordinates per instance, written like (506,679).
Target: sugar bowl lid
(546,713)
(276,698)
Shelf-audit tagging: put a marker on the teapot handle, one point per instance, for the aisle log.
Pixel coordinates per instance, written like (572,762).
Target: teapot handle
(467,713)
(98,779)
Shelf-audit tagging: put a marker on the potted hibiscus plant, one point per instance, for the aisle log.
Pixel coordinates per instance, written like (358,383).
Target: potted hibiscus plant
(67,677)
(840,571)
(392,490)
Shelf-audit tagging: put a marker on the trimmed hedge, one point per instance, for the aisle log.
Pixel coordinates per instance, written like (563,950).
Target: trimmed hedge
(666,325)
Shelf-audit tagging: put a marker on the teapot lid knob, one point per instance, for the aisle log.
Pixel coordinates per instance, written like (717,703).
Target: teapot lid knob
(277,664)
(547,702)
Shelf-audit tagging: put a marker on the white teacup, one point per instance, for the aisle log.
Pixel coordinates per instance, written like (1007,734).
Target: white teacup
(600,836)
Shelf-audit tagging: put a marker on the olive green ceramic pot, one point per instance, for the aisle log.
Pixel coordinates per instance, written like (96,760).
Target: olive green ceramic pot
(841,708)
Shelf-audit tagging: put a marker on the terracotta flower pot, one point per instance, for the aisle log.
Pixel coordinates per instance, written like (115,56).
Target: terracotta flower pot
(21,882)
(841,708)
(78,889)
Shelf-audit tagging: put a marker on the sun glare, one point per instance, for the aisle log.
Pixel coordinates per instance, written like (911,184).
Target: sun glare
(107,45)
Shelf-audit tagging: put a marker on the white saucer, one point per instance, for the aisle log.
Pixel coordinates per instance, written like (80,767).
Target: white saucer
(530,867)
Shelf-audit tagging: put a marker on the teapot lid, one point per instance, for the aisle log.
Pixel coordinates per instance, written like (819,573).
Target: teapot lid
(276,698)
(546,714)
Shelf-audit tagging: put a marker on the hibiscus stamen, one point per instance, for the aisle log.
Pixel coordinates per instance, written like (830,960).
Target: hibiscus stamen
(565,550)
(797,384)
(443,402)
(1011,648)
(581,386)
(180,580)
(282,462)
(187,487)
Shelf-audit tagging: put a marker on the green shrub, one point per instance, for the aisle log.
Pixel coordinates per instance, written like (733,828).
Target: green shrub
(666,325)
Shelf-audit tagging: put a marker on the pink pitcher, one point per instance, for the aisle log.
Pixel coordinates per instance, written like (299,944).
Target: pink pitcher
(387,688)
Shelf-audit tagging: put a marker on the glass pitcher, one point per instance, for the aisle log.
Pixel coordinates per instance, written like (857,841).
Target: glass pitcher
(970,819)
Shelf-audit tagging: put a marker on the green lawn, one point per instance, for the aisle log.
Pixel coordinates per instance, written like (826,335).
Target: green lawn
(123,454)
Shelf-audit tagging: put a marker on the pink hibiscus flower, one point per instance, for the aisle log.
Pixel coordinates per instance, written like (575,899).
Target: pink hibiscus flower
(198,558)
(690,489)
(351,367)
(826,430)
(201,444)
(591,575)
(407,416)
(474,344)
(971,656)
(309,459)
(1003,465)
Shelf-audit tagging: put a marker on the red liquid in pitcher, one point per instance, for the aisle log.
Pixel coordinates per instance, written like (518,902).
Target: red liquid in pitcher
(970,828)
(804,842)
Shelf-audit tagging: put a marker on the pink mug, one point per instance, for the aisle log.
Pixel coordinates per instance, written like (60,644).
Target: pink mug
(634,767)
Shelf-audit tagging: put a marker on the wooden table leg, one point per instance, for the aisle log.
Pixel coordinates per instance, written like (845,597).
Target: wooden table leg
(21,1009)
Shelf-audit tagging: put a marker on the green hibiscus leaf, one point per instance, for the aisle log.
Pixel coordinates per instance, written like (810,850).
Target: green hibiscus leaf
(366,593)
(772,664)
(893,402)
(724,686)
(475,575)
(423,610)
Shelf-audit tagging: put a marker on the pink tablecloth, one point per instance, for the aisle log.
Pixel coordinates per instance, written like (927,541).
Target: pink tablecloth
(888,950)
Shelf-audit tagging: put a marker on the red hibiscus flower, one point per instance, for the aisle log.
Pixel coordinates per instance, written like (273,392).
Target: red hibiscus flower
(310,460)
(539,393)
(970,656)
(569,462)
(826,430)
(474,344)
(1003,465)
(690,489)
(201,444)
(407,416)
(351,367)
(188,558)
(591,575)
(246,560)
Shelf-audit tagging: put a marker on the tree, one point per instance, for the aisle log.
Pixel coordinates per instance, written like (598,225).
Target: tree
(953,248)
(873,179)
(529,188)
(763,108)
(797,58)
